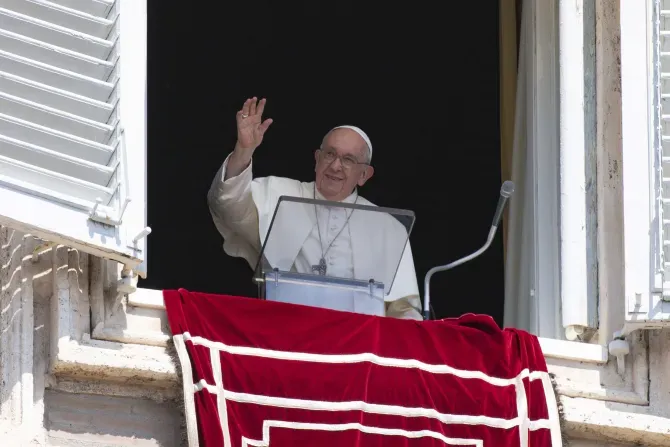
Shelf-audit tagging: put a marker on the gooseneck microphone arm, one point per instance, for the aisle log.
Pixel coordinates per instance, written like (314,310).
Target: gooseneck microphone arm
(506,192)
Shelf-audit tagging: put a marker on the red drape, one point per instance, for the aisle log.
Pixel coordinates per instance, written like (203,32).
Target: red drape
(275,374)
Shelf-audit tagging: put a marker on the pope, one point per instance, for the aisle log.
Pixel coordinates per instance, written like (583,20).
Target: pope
(335,241)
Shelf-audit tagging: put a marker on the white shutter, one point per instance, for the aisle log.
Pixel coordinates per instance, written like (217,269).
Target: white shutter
(661,120)
(73,123)
(645,96)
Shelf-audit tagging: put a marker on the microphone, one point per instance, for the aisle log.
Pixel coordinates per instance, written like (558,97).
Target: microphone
(506,192)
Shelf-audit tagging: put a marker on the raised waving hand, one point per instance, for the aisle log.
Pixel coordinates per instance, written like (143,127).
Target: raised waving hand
(250,124)
(250,131)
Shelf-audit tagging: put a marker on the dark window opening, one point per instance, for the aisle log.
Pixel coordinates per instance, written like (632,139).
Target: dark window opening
(422,82)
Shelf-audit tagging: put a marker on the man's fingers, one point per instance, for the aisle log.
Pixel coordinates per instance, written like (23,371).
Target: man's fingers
(252,106)
(264,126)
(261,107)
(245,107)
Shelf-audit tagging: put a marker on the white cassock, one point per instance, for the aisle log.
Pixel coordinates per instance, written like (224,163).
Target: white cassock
(242,210)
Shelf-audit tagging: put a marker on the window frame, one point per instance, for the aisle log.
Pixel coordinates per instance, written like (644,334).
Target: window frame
(544,111)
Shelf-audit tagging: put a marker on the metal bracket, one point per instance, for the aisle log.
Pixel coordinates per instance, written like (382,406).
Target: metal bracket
(98,216)
(620,348)
(146,231)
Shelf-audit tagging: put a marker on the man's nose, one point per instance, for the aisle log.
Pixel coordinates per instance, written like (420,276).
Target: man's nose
(336,165)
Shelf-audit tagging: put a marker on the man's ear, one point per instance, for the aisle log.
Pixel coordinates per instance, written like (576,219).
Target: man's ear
(366,175)
(316,158)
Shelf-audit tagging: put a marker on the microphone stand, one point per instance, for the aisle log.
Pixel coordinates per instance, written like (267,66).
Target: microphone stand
(506,192)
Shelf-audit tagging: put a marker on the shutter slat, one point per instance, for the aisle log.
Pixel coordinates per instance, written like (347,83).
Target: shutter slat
(98,8)
(49,117)
(51,160)
(55,77)
(55,56)
(62,15)
(54,34)
(58,99)
(662,49)
(53,139)
(19,172)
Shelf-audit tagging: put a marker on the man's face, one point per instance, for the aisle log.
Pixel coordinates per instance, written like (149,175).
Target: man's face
(341,164)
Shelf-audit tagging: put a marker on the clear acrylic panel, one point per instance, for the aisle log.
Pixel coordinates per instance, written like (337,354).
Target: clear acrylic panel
(334,241)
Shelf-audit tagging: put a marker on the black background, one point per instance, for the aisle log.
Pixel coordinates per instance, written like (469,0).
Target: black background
(420,78)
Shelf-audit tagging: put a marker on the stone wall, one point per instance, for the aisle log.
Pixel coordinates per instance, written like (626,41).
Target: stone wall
(89,420)
(57,386)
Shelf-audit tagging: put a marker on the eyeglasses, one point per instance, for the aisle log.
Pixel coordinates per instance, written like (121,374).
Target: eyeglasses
(347,161)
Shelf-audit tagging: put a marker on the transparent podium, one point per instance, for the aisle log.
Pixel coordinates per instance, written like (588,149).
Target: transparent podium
(333,255)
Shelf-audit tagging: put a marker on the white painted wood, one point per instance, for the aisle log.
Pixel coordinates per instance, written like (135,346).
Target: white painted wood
(532,293)
(637,148)
(571,350)
(73,122)
(133,115)
(660,97)
(545,116)
(71,167)
(54,139)
(55,56)
(54,77)
(45,116)
(20,174)
(67,17)
(66,102)
(54,34)
(98,8)
(574,268)
(643,158)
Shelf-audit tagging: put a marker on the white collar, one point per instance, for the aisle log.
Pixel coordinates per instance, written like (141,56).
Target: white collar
(350,199)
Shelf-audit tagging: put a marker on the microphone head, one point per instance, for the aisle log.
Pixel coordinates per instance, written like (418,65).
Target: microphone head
(507,188)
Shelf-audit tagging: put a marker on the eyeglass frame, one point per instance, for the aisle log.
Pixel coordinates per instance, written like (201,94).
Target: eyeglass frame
(342,158)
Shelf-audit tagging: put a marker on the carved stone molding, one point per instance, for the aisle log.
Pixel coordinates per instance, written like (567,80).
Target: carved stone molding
(77,355)
(115,317)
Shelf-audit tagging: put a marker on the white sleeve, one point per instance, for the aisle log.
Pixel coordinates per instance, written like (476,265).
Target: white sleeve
(234,213)
(404,300)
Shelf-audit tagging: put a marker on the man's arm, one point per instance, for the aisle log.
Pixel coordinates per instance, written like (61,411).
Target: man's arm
(233,209)
(229,198)
(237,162)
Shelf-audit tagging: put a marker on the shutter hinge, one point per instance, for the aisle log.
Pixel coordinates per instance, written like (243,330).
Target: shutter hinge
(104,218)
